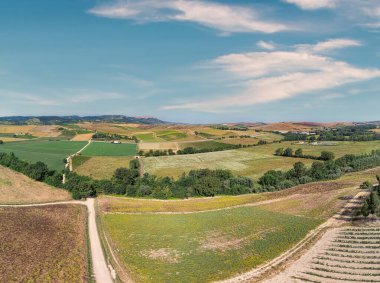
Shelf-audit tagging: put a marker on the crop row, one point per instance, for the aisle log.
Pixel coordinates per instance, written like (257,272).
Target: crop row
(348,261)
(351,251)
(344,267)
(355,247)
(356,242)
(345,272)
(340,278)
(351,256)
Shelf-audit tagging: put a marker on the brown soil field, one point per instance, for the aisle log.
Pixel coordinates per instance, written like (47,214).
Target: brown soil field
(82,137)
(43,244)
(298,126)
(16,188)
(157,146)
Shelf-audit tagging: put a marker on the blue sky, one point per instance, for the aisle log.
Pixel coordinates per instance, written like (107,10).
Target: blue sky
(192,60)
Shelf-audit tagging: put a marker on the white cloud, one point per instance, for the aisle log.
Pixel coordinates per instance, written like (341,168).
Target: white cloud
(266,45)
(278,75)
(225,18)
(313,4)
(329,45)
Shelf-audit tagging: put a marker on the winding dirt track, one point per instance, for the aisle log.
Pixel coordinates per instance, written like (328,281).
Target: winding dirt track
(100,268)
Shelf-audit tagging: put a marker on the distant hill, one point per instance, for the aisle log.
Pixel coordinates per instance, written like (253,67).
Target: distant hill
(58,120)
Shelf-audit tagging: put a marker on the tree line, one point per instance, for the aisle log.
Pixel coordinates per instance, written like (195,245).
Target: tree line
(298,153)
(193,150)
(345,133)
(203,182)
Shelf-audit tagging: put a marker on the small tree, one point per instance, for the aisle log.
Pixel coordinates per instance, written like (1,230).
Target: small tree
(279,151)
(1,142)
(366,185)
(327,155)
(365,210)
(288,152)
(299,152)
(373,202)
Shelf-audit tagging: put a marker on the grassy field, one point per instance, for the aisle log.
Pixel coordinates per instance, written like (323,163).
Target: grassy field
(219,243)
(251,162)
(16,188)
(243,162)
(99,167)
(50,152)
(201,247)
(109,149)
(43,244)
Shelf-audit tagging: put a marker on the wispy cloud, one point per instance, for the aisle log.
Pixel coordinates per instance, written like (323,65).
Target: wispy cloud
(278,75)
(266,45)
(225,18)
(329,45)
(313,4)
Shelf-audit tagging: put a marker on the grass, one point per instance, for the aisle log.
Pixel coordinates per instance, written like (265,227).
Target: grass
(51,153)
(171,135)
(16,188)
(251,162)
(99,167)
(109,149)
(204,145)
(43,244)
(202,247)
(242,162)
(148,137)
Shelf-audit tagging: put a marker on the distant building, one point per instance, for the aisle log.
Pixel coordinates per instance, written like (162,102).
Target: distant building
(116,142)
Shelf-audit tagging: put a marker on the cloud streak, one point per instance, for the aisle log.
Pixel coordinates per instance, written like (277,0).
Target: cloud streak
(272,76)
(225,18)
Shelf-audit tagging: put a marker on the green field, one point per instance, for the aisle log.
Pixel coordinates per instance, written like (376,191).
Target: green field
(171,135)
(51,153)
(202,247)
(148,137)
(109,149)
(251,162)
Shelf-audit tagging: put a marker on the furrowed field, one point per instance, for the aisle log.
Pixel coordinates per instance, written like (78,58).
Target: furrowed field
(202,247)
(43,244)
(51,153)
(109,149)
(251,162)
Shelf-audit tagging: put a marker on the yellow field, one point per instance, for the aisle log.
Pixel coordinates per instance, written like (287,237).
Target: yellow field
(16,188)
(38,131)
(82,137)
(102,167)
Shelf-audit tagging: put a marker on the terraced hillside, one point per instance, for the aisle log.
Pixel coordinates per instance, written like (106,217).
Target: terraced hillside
(349,254)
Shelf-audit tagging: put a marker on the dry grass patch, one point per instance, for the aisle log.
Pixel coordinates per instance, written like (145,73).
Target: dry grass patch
(163,254)
(16,188)
(43,244)
(82,137)
(102,167)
